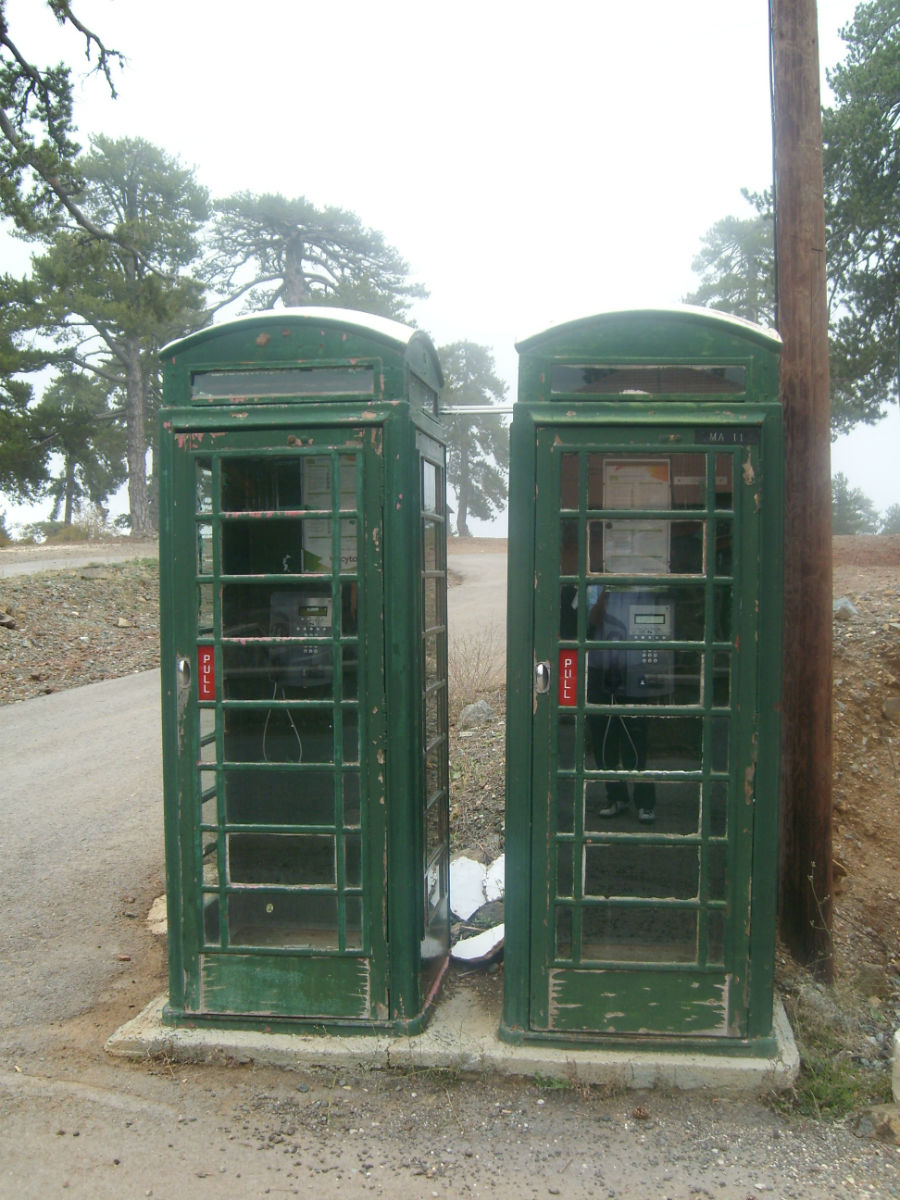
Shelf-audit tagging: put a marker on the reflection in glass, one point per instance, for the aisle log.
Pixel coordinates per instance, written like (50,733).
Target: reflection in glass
(205,612)
(433,608)
(204,548)
(432,661)
(204,486)
(435,826)
(631,869)
(646,934)
(429,487)
(430,533)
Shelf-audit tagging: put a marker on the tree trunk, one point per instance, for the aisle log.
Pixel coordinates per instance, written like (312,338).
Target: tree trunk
(69,507)
(294,288)
(806,824)
(136,449)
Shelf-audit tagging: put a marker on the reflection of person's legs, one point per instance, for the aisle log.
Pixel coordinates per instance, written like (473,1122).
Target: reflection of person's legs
(606,742)
(634,758)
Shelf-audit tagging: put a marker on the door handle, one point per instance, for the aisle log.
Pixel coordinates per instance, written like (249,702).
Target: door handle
(183,672)
(542,678)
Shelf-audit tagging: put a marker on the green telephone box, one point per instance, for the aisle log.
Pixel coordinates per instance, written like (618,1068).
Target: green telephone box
(304,672)
(643,683)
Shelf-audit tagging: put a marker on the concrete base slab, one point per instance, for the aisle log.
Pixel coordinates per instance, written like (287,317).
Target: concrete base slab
(462,1036)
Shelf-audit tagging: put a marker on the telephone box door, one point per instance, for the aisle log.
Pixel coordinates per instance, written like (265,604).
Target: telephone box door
(643,739)
(278,641)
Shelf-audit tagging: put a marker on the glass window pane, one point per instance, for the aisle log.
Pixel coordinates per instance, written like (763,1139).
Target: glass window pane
(676,807)
(724,481)
(625,742)
(645,546)
(204,486)
(568,481)
(433,608)
(429,487)
(281,858)
(352,860)
(353,911)
(262,796)
(719,728)
(433,642)
(259,918)
(721,679)
(263,484)
(645,934)
(658,872)
(565,804)
(205,611)
(564,933)
(564,873)
(211,931)
(279,734)
(717,883)
(281,382)
(689,480)
(204,548)
(435,825)
(351,798)
(566,742)
(724,534)
(715,945)
(640,381)
(716,792)
(430,534)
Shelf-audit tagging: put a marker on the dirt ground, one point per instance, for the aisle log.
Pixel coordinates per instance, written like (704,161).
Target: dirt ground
(159,1129)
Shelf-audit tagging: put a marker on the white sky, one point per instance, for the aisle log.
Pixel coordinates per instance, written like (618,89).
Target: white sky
(531,162)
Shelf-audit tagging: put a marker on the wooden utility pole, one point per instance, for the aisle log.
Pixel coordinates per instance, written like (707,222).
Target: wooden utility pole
(806,856)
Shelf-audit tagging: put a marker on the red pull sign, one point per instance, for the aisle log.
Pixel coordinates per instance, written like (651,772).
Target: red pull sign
(568,678)
(206,672)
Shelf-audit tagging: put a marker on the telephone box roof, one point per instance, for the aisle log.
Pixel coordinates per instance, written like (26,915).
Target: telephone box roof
(726,321)
(382,327)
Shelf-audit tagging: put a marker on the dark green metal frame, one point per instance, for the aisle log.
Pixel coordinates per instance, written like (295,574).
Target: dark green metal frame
(395,430)
(649,424)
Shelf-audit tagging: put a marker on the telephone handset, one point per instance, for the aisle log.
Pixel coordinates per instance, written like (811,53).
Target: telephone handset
(300,614)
